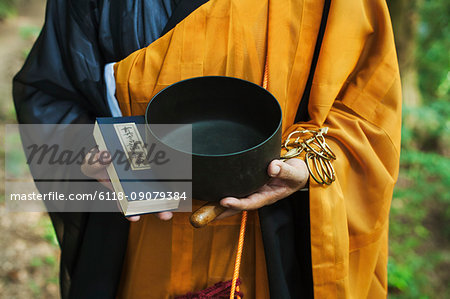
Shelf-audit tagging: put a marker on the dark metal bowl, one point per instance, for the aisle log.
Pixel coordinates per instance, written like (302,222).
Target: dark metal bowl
(236,132)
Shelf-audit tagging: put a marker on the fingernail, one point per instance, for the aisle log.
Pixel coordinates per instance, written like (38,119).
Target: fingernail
(134,218)
(275,171)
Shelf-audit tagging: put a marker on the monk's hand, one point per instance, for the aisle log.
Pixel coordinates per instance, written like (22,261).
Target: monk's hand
(94,166)
(286,178)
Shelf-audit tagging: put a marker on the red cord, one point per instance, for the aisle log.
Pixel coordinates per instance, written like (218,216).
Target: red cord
(237,263)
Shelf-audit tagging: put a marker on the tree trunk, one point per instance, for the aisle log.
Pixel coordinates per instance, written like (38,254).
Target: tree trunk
(404,14)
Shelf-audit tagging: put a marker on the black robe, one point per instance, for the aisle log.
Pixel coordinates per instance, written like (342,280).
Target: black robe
(62,83)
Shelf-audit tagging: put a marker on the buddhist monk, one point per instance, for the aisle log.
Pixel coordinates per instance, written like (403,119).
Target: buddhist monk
(330,64)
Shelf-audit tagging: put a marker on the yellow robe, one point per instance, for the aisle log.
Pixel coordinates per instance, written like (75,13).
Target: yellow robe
(355,92)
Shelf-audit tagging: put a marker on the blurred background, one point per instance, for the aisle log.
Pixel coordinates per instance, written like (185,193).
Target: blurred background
(419,264)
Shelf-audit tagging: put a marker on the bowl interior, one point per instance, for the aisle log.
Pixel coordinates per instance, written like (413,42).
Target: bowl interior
(227,115)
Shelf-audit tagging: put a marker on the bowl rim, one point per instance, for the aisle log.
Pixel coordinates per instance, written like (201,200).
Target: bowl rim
(147,125)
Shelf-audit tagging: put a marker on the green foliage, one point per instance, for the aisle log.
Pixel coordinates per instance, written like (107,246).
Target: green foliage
(50,260)
(7,8)
(433,57)
(426,127)
(420,194)
(420,212)
(29,32)
(36,262)
(14,159)
(48,232)
(35,289)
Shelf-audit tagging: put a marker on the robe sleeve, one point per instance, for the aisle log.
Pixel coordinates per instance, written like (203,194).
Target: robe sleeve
(359,99)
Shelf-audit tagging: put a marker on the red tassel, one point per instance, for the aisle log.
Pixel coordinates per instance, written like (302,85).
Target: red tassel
(220,290)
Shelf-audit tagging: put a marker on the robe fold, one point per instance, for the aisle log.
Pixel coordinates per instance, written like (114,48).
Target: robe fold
(355,92)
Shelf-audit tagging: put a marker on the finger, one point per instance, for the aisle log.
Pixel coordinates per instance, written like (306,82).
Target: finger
(236,204)
(90,155)
(107,184)
(95,163)
(164,215)
(134,218)
(99,161)
(287,177)
(227,213)
(252,202)
(293,170)
(267,194)
(94,166)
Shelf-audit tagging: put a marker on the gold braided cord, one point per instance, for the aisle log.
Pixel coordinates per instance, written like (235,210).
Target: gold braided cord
(318,154)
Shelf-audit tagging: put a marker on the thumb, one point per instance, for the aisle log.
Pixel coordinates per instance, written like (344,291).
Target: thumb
(294,170)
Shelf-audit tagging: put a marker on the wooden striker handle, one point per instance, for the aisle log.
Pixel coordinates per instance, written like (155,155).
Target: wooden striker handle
(206,213)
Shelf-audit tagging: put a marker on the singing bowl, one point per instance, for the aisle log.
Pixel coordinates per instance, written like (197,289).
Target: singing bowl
(236,132)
